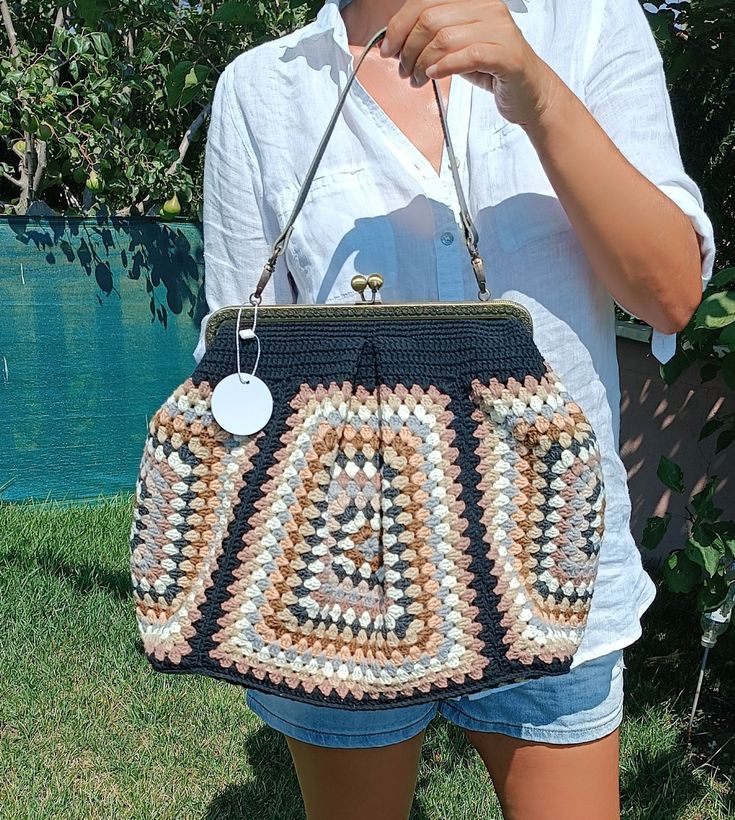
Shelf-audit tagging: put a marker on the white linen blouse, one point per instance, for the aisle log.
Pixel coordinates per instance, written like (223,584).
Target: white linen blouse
(377,204)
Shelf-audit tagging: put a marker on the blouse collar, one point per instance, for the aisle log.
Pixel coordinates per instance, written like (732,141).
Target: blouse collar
(329,20)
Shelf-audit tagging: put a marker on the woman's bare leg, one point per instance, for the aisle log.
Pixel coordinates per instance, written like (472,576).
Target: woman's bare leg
(579,781)
(357,784)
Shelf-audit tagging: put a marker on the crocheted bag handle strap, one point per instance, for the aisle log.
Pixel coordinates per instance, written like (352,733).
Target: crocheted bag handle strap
(471,238)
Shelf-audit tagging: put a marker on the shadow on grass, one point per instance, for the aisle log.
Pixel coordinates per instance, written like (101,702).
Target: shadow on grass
(84,576)
(662,671)
(273,793)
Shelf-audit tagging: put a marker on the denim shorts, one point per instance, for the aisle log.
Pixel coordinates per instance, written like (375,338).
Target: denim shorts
(584,704)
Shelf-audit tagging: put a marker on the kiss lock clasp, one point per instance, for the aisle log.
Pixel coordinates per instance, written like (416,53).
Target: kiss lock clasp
(360,283)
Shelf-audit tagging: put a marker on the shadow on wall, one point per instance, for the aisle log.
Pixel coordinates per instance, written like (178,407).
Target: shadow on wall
(658,420)
(99,318)
(165,254)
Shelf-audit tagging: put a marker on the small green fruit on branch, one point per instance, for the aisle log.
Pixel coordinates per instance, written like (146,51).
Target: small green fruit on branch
(94,182)
(171,208)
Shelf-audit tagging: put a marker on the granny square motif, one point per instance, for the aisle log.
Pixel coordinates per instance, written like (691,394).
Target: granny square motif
(382,541)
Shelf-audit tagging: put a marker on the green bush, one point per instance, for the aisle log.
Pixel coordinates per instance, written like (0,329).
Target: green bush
(104,105)
(698,47)
(697,40)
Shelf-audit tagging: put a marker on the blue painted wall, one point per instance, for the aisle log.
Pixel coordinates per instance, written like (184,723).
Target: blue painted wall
(98,321)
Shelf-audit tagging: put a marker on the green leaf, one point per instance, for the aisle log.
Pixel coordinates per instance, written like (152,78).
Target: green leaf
(681,574)
(708,557)
(717,310)
(191,78)
(680,64)
(671,371)
(654,531)
(661,26)
(28,122)
(703,504)
(183,82)
(728,369)
(175,80)
(723,278)
(102,44)
(670,474)
(724,440)
(709,371)
(712,593)
(233,11)
(712,426)
(703,533)
(724,540)
(724,529)
(92,10)
(727,336)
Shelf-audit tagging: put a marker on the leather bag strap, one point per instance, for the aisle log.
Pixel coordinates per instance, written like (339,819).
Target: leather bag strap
(470,232)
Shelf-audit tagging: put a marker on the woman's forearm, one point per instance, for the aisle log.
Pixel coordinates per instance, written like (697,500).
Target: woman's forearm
(640,244)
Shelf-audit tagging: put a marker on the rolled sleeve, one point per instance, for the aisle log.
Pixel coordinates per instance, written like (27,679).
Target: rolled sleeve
(235,242)
(625,90)
(663,345)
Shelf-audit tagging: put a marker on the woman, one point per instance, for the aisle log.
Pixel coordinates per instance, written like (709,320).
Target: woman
(562,125)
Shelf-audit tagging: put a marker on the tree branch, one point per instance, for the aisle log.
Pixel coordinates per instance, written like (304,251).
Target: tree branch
(27,169)
(41,165)
(186,141)
(70,198)
(13,180)
(9,28)
(36,159)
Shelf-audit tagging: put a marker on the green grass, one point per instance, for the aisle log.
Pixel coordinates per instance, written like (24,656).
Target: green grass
(89,730)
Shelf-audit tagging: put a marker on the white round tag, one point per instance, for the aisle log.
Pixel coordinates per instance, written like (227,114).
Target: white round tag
(242,408)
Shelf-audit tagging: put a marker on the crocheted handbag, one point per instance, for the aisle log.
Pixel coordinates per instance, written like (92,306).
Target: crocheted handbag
(404,504)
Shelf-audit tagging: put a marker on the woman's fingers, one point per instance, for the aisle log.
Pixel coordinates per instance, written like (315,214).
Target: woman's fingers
(486,58)
(452,40)
(478,39)
(405,19)
(433,30)
(417,22)
(424,32)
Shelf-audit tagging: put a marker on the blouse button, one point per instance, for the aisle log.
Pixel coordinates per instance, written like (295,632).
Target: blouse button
(447,238)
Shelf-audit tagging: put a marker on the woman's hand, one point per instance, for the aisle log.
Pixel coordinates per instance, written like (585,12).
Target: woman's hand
(480,40)
(640,244)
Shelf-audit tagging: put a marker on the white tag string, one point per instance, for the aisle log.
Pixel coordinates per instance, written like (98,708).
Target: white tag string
(247,333)
(242,404)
